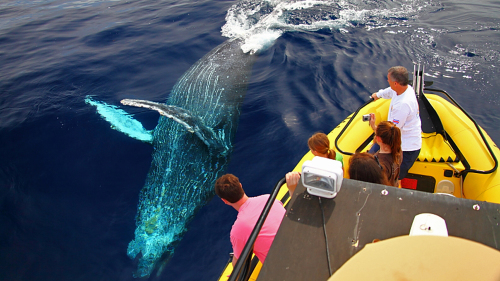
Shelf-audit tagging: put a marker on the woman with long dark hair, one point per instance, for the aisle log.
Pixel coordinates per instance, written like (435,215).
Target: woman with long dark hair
(390,155)
(365,167)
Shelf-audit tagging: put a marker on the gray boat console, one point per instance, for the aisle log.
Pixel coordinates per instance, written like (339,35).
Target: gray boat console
(359,214)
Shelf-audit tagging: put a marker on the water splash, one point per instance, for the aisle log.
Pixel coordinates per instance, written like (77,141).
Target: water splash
(260,23)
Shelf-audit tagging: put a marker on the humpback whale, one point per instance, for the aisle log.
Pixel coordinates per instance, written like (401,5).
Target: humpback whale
(192,141)
(192,144)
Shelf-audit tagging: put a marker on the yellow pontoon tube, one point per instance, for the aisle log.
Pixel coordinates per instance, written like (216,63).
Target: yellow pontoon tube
(459,159)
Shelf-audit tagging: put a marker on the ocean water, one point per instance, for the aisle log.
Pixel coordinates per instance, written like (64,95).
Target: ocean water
(69,184)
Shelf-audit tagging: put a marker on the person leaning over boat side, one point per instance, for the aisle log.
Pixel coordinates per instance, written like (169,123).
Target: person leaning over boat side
(319,144)
(365,167)
(403,112)
(388,137)
(230,190)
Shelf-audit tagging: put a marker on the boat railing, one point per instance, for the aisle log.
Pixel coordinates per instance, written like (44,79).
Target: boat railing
(464,172)
(347,125)
(241,270)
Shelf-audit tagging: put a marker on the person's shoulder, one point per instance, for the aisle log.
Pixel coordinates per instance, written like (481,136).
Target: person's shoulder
(386,93)
(384,156)
(339,157)
(258,200)
(261,197)
(405,101)
(409,94)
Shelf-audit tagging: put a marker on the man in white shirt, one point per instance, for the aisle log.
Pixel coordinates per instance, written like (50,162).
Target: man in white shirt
(403,112)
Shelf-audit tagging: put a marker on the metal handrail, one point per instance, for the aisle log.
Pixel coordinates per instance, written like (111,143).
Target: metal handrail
(240,270)
(480,133)
(347,125)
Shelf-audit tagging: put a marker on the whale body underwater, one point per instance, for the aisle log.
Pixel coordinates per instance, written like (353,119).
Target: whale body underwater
(192,145)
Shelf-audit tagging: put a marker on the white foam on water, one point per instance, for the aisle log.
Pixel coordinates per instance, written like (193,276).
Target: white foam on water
(260,23)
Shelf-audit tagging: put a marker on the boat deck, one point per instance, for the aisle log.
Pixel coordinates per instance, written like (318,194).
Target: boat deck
(360,213)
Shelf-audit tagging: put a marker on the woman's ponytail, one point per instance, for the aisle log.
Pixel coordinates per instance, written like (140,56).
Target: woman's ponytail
(390,135)
(319,142)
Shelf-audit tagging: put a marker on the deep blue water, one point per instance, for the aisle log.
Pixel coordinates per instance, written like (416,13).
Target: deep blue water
(69,184)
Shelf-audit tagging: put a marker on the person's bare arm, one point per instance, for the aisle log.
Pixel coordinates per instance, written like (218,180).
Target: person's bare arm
(372,122)
(292,179)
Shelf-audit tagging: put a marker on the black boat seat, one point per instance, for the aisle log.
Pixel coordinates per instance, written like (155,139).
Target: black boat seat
(436,149)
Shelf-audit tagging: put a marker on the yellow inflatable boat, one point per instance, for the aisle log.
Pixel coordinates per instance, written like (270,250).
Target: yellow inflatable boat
(457,158)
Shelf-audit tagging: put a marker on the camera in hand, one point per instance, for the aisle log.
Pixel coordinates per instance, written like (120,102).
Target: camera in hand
(366,117)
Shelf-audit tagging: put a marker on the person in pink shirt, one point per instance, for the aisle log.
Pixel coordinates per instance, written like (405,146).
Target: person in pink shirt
(230,190)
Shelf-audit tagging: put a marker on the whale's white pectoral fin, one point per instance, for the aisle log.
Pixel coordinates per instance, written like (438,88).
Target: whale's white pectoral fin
(121,120)
(175,113)
(193,124)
